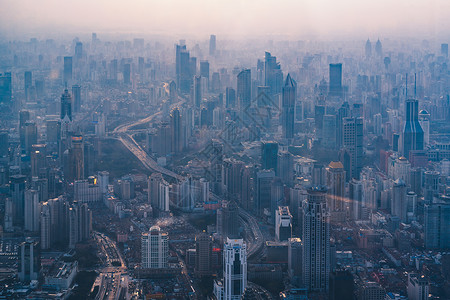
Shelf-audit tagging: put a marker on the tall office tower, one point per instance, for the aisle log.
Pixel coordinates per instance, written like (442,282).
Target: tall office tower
(273,76)
(399,205)
(352,152)
(316,241)
(244,89)
(444,50)
(231,179)
(341,285)
(285,168)
(38,158)
(335,87)
(230,97)
(276,199)
(436,229)
(153,189)
(204,69)
(154,249)
(177,130)
(215,82)
(319,112)
(77,158)
(28,83)
(4,143)
(216,162)
(163,197)
(76,92)
(197,93)
(203,254)
(336,186)
(371,291)
(66,108)
(329,132)
(431,185)
(78,50)
(368,49)
(127,73)
(5,88)
(418,287)
(424,120)
(356,198)
(343,112)
(212,44)
(29,257)
(32,210)
(67,75)
(46,226)
(283,224)
(80,223)
(113,70)
(264,180)
(295,247)
(183,69)
(318,174)
(288,107)
(269,155)
(17,186)
(24,116)
(412,131)
(30,136)
(379,48)
(234,269)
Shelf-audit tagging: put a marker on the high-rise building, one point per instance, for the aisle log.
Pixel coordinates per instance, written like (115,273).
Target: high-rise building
(203,254)
(204,69)
(316,241)
(4,143)
(212,44)
(352,153)
(336,186)
(341,285)
(78,50)
(356,198)
(17,186)
(28,83)
(273,76)
(368,49)
(67,75)
(418,287)
(66,106)
(46,226)
(335,87)
(269,155)
(183,69)
(5,88)
(399,205)
(371,291)
(32,210)
(230,97)
(263,199)
(244,89)
(424,120)
(379,48)
(436,229)
(412,131)
(295,248)
(31,135)
(288,107)
(234,269)
(29,257)
(127,73)
(76,159)
(329,132)
(153,189)
(154,249)
(177,130)
(76,92)
(444,50)
(197,92)
(283,224)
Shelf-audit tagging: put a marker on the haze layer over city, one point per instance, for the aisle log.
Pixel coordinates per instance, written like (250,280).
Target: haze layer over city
(224,150)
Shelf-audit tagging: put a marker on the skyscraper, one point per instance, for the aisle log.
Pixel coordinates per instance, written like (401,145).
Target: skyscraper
(316,241)
(269,155)
(32,210)
(66,105)
(203,254)
(436,229)
(29,257)
(183,69)
(28,83)
(368,49)
(283,224)
(127,73)
(76,92)
(273,76)
(154,249)
(79,50)
(234,269)
(336,186)
(335,88)
(177,131)
(412,131)
(67,75)
(379,48)
(204,69)
(244,88)
(5,88)
(352,154)
(263,190)
(197,93)
(17,186)
(288,107)
(212,44)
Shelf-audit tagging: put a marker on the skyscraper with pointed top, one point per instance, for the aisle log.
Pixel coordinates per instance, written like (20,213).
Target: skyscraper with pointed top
(412,131)
(378,48)
(288,107)
(368,49)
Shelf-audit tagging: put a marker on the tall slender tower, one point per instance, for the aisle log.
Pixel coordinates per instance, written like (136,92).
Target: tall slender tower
(177,132)
(244,88)
(412,132)
(352,154)
(234,269)
(288,107)
(316,241)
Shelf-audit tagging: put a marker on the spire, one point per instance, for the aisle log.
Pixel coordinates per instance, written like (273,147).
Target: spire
(289,81)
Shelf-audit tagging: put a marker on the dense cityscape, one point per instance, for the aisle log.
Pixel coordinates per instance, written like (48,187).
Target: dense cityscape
(218,168)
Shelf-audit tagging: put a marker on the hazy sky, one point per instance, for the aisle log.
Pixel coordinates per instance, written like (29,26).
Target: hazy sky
(292,18)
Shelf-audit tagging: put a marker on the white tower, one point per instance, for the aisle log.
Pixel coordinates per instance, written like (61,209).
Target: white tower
(234,269)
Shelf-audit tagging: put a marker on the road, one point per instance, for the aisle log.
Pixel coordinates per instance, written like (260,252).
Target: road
(113,278)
